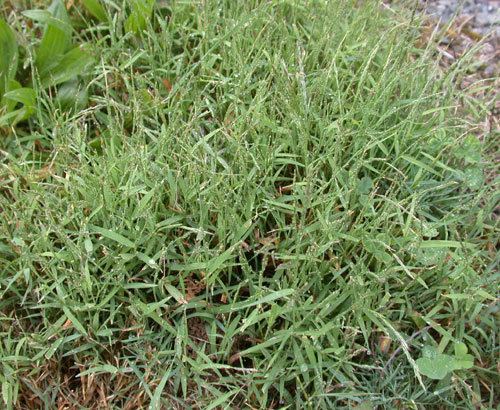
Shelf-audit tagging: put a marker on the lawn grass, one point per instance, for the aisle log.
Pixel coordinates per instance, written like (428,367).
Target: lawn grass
(265,204)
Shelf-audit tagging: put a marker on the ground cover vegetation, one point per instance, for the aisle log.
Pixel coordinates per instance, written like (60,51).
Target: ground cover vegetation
(242,204)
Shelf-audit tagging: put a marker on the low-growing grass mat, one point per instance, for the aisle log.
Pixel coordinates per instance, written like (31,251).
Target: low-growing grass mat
(262,204)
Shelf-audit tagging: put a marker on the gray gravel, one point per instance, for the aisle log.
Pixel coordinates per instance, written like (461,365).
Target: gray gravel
(484,15)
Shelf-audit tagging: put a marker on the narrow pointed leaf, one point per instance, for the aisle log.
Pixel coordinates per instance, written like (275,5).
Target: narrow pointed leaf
(97,10)
(8,53)
(140,13)
(56,39)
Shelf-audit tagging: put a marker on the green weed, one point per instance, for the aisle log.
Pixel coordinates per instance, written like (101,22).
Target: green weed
(264,204)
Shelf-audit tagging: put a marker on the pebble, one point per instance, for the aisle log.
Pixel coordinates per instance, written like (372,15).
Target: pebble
(484,14)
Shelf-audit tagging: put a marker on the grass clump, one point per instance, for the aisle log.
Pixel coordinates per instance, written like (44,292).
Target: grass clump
(265,204)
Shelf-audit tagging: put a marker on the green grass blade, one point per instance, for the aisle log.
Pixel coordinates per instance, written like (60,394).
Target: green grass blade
(140,14)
